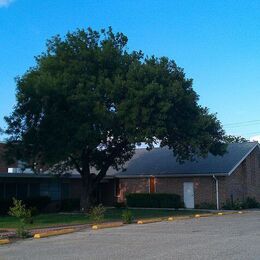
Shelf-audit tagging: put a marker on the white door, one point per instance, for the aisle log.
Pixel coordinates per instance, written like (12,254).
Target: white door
(188,194)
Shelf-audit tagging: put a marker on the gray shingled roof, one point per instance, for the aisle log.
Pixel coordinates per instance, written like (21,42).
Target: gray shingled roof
(160,161)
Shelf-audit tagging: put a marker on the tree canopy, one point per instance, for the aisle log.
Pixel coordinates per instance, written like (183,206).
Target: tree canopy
(235,139)
(89,101)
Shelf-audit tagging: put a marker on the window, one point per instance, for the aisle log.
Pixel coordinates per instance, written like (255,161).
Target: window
(51,190)
(10,190)
(2,190)
(22,190)
(44,189)
(54,191)
(65,190)
(34,190)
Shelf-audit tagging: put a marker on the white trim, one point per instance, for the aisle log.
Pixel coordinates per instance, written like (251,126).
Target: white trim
(217,193)
(171,175)
(235,167)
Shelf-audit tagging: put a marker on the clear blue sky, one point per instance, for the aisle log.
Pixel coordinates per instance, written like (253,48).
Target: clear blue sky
(216,42)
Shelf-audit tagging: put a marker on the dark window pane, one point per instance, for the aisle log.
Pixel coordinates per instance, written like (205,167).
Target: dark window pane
(54,191)
(22,190)
(65,190)
(44,189)
(34,190)
(10,190)
(1,190)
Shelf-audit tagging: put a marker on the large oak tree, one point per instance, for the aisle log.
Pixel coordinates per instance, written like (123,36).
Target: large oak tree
(89,101)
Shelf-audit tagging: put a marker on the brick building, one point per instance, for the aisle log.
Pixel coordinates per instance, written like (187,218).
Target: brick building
(214,179)
(23,183)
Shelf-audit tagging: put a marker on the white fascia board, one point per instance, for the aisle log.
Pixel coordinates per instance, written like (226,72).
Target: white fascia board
(235,167)
(170,175)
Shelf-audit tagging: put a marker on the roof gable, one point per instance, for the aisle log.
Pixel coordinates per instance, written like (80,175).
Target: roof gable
(161,162)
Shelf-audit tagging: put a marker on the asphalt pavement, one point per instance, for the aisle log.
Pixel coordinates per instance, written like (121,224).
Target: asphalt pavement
(220,237)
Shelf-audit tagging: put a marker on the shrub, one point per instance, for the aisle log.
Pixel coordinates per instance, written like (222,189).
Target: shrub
(250,203)
(19,211)
(34,211)
(232,205)
(206,205)
(97,213)
(120,205)
(70,204)
(127,217)
(154,200)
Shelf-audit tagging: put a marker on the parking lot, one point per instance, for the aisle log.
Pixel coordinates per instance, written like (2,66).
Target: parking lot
(220,237)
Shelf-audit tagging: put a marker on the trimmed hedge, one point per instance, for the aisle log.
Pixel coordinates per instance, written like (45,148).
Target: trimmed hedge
(154,200)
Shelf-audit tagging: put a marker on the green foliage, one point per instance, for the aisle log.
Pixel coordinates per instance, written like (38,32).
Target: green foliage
(154,200)
(235,139)
(88,101)
(97,213)
(34,211)
(19,210)
(127,216)
(248,203)
(24,215)
(232,205)
(120,205)
(22,232)
(206,205)
(251,203)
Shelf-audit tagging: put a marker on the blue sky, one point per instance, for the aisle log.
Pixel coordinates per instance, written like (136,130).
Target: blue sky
(216,42)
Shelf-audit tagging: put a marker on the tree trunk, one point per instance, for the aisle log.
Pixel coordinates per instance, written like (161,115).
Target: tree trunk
(86,193)
(88,186)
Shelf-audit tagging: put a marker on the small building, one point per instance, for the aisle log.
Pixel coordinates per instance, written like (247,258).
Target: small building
(25,184)
(211,180)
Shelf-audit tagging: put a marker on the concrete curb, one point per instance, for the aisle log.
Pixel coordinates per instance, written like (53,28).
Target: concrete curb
(147,221)
(54,233)
(4,241)
(107,225)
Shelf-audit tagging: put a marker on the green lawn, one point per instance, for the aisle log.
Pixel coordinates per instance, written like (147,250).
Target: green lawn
(48,220)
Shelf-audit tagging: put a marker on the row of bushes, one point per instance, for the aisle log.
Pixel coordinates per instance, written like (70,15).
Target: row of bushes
(164,200)
(248,203)
(154,200)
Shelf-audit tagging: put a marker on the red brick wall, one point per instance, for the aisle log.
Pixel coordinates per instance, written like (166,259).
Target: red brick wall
(132,185)
(243,182)
(204,187)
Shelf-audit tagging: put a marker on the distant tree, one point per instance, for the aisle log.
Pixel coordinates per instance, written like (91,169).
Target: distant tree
(235,139)
(88,102)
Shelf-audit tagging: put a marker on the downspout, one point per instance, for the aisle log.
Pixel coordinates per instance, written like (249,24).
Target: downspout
(217,195)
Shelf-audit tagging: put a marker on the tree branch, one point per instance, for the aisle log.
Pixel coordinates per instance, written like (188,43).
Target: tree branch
(74,161)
